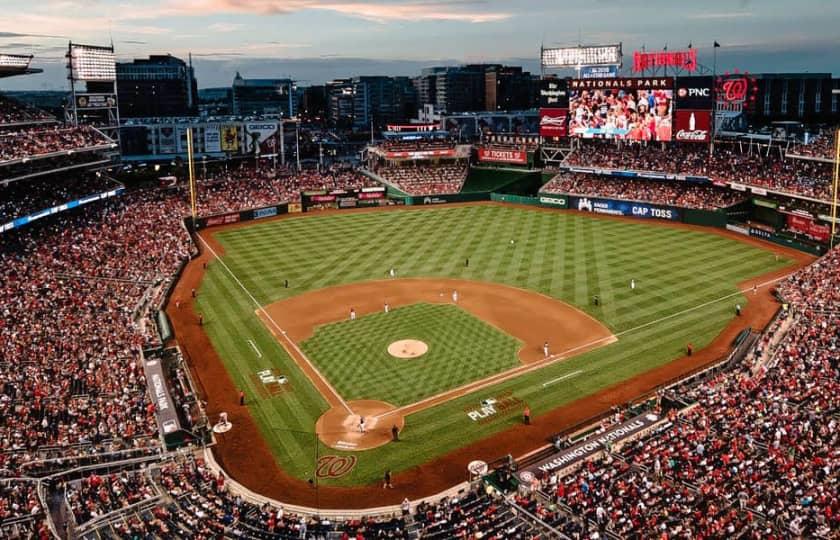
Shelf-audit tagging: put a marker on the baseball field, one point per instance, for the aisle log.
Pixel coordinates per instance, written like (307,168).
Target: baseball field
(276,306)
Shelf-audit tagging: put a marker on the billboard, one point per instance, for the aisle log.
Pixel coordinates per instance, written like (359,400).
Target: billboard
(554,93)
(686,60)
(695,93)
(807,226)
(614,207)
(598,72)
(573,57)
(212,139)
(96,101)
(635,108)
(495,155)
(693,125)
(735,92)
(259,137)
(553,122)
(230,138)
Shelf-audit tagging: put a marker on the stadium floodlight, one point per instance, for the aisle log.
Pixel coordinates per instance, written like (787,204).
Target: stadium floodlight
(17,61)
(92,63)
(575,57)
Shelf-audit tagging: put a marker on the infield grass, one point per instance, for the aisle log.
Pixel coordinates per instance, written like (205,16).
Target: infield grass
(354,356)
(565,255)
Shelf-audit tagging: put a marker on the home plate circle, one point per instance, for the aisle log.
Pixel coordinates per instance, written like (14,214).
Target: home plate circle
(341,428)
(407,348)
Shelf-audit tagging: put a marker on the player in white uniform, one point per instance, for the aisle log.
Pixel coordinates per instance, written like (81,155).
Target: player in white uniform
(387,307)
(455,296)
(632,284)
(352,314)
(392,272)
(361,424)
(545,349)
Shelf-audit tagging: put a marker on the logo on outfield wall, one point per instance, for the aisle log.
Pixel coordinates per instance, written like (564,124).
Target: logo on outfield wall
(494,407)
(555,201)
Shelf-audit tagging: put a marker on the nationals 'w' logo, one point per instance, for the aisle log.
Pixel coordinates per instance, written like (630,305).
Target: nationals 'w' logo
(334,466)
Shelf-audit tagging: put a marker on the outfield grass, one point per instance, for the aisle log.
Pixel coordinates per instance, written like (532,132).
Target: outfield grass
(353,355)
(567,256)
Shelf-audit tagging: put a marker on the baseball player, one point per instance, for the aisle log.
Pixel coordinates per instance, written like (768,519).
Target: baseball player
(387,307)
(545,349)
(362,424)
(455,296)
(352,314)
(632,284)
(392,272)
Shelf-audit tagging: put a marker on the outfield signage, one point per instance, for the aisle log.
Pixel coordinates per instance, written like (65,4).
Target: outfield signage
(165,413)
(26,220)
(622,173)
(493,155)
(244,215)
(554,200)
(344,198)
(579,453)
(623,208)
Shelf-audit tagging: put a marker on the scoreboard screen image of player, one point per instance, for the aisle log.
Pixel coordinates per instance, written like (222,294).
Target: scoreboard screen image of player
(637,108)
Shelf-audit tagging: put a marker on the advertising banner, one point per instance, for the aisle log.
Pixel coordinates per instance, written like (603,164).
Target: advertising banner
(493,155)
(693,126)
(96,101)
(553,122)
(623,208)
(212,139)
(259,137)
(695,93)
(686,60)
(167,416)
(808,227)
(554,93)
(635,108)
(167,142)
(554,200)
(230,138)
(181,138)
(598,72)
(576,455)
(421,154)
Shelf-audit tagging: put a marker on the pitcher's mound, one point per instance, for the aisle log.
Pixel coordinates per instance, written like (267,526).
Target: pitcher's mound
(407,348)
(339,429)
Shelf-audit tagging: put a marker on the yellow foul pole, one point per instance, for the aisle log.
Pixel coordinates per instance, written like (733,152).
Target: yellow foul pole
(191,168)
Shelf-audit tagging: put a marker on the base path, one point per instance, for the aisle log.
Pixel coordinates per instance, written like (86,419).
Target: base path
(530,317)
(342,431)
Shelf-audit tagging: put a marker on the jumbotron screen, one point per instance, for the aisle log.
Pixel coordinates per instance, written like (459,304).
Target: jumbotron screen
(637,108)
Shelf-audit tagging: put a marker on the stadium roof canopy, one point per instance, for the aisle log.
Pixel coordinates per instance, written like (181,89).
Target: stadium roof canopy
(12,65)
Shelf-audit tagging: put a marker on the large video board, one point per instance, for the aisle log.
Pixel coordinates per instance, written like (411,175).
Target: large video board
(635,108)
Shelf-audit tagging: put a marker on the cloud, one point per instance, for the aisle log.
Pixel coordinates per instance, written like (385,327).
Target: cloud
(720,15)
(5,35)
(372,10)
(134,42)
(224,27)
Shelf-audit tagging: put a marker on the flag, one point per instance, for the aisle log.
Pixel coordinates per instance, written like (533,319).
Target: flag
(717,45)
(689,44)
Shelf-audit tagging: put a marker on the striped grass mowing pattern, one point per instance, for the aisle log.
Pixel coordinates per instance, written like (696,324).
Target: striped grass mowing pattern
(564,255)
(353,355)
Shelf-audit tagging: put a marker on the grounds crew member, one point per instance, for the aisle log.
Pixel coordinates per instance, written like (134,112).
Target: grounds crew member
(526,415)
(395,433)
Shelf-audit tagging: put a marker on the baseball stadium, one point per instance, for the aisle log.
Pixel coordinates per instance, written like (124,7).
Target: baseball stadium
(615,316)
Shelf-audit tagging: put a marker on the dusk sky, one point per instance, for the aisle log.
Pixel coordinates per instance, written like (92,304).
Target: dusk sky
(315,41)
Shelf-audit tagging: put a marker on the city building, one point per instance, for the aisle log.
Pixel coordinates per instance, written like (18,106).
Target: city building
(339,95)
(160,85)
(264,97)
(508,88)
(382,100)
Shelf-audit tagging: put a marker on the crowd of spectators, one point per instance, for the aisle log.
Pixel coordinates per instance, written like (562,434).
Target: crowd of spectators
(15,112)
(821,147)
(21,513)
(22,198)
(36,142)
(426,179)
(666,192)
(729,163)
(755,457)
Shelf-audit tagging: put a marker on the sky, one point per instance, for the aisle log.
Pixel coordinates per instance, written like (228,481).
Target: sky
(315,41)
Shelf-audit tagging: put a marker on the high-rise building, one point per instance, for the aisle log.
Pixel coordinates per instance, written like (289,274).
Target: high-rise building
(264,97)
(508,88)
(340,102)
(161,85)
(382,100)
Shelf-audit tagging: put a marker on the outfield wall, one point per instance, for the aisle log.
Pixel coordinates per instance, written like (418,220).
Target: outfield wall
(236,217)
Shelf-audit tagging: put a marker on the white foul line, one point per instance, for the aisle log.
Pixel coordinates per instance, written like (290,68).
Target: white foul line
(275,325)
(254,346)
(566,376)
